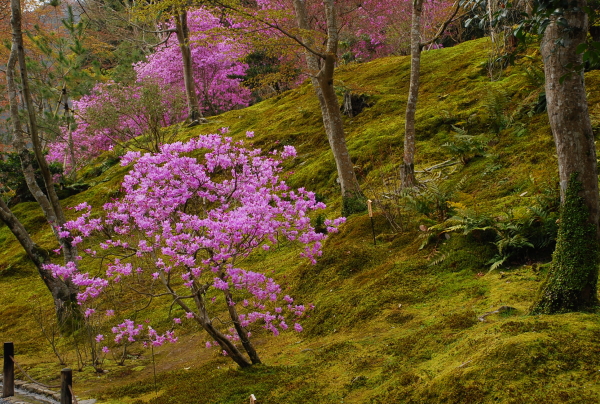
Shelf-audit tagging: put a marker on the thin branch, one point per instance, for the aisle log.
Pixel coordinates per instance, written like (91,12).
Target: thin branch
(273,26)
(445,24)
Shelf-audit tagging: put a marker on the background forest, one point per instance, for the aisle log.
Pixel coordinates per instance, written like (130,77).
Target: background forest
(367,202)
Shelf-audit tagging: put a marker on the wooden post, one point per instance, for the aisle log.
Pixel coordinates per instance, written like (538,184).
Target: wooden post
(371,217)
(8,384)
(252,399)
(66,381)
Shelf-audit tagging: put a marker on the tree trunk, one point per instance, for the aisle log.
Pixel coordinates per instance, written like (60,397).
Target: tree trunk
(572,282)
(64,293)
(336,136)
(322,67)
(182,31)
(204,320)
(64,97)
(241,331)
(490,13)
(407,170)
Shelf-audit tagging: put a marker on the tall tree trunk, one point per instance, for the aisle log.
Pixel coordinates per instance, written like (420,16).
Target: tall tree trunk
(183,33)
(336,136)
(572,282)
(322,67)
(64,293)
(490,13)
(407,170)
(64,99)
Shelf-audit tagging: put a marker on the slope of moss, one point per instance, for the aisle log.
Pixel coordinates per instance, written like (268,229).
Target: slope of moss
(393,322)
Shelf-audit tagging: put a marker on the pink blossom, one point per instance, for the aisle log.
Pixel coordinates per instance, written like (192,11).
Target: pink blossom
(193,220)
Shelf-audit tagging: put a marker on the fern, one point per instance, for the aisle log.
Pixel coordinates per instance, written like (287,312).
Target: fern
(433,199)
(465,147)
(496,104)
(513,238)
(438,258)
(497,262)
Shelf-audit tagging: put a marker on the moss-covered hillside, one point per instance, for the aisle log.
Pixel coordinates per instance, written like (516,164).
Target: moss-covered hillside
(394,322)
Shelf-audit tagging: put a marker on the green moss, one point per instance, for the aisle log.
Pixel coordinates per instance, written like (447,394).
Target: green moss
(353,204)
(572,282)
(388,326)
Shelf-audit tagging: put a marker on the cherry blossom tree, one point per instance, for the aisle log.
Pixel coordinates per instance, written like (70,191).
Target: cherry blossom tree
(190,215)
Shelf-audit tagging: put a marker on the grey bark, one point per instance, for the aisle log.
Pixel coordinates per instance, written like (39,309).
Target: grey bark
(64,100)
(572,281)
(63,292)
(204,320)
(321,66)
(241,331)
(567,106)
(182,32)
(407,170)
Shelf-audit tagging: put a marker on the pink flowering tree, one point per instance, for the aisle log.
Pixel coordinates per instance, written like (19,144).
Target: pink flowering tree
(382,28)
(189,216)
(368,29)
(215,64)
(115,114)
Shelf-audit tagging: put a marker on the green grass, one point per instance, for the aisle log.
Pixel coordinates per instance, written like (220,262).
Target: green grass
(388,327)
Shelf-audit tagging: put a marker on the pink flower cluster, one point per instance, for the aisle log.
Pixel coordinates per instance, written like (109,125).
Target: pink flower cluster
(368,29)
(114,113)
(215,59)
(189,215)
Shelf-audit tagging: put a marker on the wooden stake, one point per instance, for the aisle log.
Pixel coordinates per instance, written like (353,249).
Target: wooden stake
(371,217)
(66,381)
(8,384)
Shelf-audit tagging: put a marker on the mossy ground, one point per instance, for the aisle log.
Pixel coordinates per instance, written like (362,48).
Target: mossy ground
(388,326)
